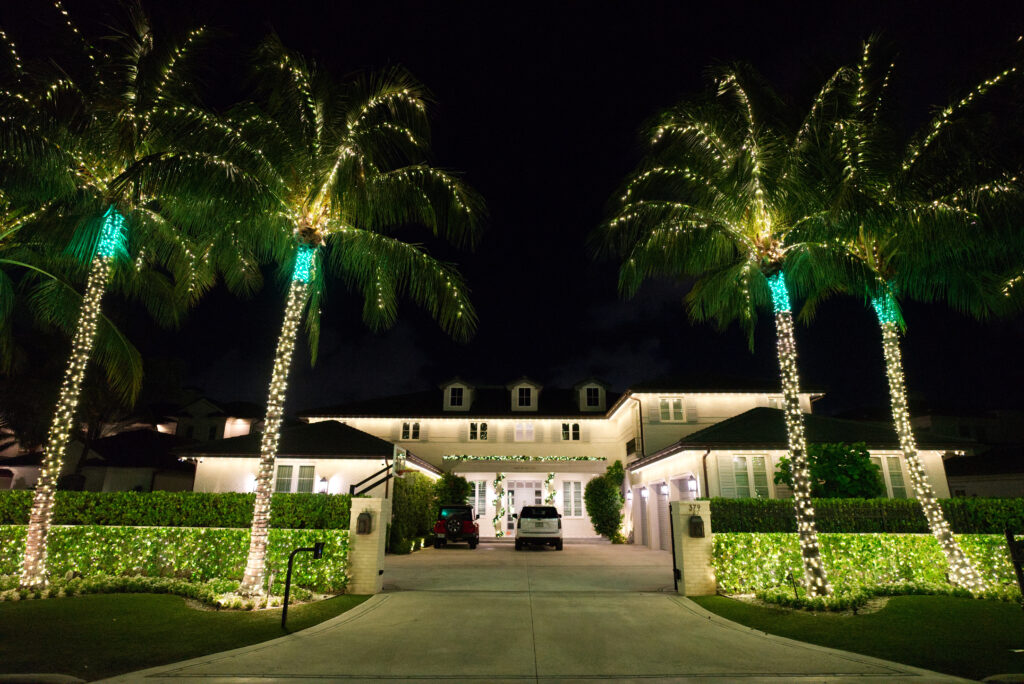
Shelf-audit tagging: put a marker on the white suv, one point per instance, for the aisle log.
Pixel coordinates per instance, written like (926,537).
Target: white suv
(539,525)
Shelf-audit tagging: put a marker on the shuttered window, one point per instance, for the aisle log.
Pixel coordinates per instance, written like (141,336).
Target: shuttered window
(571,431)
(524,432)
(672,410)
(478,496)
(757,464)
(284,479)
(743,477)
(478,431)
(572,499)
(305,481)
(890,473)
(410,430)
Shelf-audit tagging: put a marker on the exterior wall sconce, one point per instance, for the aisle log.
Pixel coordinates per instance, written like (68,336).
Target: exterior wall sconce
(322,486)
(691,484)
(629,495)
(664,488)
(643,492)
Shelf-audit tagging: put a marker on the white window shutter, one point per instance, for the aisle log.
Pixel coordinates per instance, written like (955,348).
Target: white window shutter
(726,477)
(691,410)
(423,431)
(464,433)
(584,432)
(510,432)
(396,431)
(538,432)
(653,411)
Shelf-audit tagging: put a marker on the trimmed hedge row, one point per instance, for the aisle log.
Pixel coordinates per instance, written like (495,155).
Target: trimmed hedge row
(965,515)
(197,554)
(181,509)
(747,563)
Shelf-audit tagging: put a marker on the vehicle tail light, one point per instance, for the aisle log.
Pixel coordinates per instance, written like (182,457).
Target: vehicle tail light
(559,523)
(519,523)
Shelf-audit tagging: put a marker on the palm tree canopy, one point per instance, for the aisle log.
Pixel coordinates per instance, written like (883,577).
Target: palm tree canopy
(343,166)
(930,216)
(72,132)
(718,197)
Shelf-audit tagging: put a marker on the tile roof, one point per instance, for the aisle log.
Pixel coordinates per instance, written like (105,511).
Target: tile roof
(138,449)
(325,439)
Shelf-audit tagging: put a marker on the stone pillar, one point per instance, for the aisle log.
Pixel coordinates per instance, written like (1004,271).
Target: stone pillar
(691,555)
(366,551)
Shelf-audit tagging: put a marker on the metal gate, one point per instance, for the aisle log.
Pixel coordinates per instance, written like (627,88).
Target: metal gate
(663,527)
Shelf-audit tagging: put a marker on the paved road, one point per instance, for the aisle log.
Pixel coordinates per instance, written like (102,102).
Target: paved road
(588,613)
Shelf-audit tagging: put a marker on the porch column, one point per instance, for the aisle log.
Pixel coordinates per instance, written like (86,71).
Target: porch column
(692,554)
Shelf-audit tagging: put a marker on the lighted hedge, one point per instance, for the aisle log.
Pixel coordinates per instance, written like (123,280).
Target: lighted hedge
(747,563)
(181,509)
(973,515)
(194,553)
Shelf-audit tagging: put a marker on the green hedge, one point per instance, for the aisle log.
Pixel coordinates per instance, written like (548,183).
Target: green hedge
(965,515)
(413,511)
(181,509)
(747,563)
(197,554)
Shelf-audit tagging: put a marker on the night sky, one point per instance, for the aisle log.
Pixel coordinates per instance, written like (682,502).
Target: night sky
(539,105)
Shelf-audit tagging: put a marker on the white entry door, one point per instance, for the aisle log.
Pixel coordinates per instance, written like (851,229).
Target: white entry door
(519,494)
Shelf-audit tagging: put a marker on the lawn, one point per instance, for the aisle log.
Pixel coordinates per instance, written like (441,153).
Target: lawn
(102,635)
(965,637)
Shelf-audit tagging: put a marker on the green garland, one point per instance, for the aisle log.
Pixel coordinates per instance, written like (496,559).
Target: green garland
(550,487)
(499,504)
(522,458)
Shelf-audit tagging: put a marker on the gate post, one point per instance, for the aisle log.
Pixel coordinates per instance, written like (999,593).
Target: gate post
(692,548)
(366,546)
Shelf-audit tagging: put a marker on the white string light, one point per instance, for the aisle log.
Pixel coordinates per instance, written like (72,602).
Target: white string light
(815,577)
(255,568)
(961,571)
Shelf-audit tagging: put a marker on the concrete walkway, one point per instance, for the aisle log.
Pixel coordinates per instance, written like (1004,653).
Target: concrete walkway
(549,628)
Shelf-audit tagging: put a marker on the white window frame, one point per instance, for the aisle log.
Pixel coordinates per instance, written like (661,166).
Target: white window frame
(597,397)
(520,391)
(885,463)
(752,473)
(411,431)
(478,432)
(524,432)
(570,432)
(451,396)
(295,471)
(478,496)
(676,409)
(572,499)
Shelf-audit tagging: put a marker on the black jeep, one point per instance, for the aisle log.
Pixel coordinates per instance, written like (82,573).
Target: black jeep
(456,523)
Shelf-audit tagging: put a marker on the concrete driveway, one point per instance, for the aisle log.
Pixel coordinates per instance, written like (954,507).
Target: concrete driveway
(499,567)
(590,612)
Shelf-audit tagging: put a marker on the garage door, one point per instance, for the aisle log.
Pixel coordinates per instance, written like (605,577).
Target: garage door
(663,533)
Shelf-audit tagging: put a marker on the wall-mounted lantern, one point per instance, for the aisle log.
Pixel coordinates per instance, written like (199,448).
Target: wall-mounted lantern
(664,488)
(643,493)
(629,495)
(691,485)
(322,486)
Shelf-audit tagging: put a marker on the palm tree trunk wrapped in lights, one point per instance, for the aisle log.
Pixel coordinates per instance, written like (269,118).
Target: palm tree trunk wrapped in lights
(961,571)
(255,568)
(815,577)
(33,570)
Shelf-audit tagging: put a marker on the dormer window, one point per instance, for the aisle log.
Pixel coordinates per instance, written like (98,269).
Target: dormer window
(593,396)
(571,432)
(455,396)
(525,397)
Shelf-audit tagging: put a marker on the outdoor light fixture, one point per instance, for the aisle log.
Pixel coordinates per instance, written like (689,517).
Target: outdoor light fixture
(318,552)
(322,488)
(664,488)
(629,495)
(643,492)
(691,484)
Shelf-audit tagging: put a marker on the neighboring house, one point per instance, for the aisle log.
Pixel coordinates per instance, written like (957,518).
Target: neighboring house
(21,471)
(204,420)
(136,460)
(996,465)
(738,458)
(325,457)
(546,443)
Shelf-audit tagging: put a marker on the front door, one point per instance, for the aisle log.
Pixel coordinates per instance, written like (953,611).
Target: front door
(517,495)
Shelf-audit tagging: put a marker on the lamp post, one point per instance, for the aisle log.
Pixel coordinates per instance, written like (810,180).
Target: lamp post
(318,553)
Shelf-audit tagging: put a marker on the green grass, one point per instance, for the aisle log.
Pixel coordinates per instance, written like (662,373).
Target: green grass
(964,637)
(102,635)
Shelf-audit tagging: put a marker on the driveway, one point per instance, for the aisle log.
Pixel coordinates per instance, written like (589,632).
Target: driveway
(499,567)
(590,612)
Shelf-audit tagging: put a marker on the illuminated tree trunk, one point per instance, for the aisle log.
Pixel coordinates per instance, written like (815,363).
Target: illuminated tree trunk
(33,568)
(961,572)
(255,567)
(815,577)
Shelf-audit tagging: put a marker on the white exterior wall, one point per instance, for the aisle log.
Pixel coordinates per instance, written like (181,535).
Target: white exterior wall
(215,474)
(25,477)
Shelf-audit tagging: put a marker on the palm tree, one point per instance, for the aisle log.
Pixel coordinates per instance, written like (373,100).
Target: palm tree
(71,137)
(330,172)
(908,218)
(717,198)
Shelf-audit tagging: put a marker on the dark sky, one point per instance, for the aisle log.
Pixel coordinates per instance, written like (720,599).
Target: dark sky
(538,105)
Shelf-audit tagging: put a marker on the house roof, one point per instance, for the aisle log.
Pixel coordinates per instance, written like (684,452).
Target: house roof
(707,382)
(488,402)
(1002,460)
(228,409)
(138,449)
(325,439)
(765,428)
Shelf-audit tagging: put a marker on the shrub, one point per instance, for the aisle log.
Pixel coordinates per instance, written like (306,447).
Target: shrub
(965,516)
(452,488)
(181,509)
(413,509)
(604,500)
(838,471)
(186,553)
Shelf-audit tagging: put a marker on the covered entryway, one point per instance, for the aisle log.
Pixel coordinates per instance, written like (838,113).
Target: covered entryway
(578,567)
